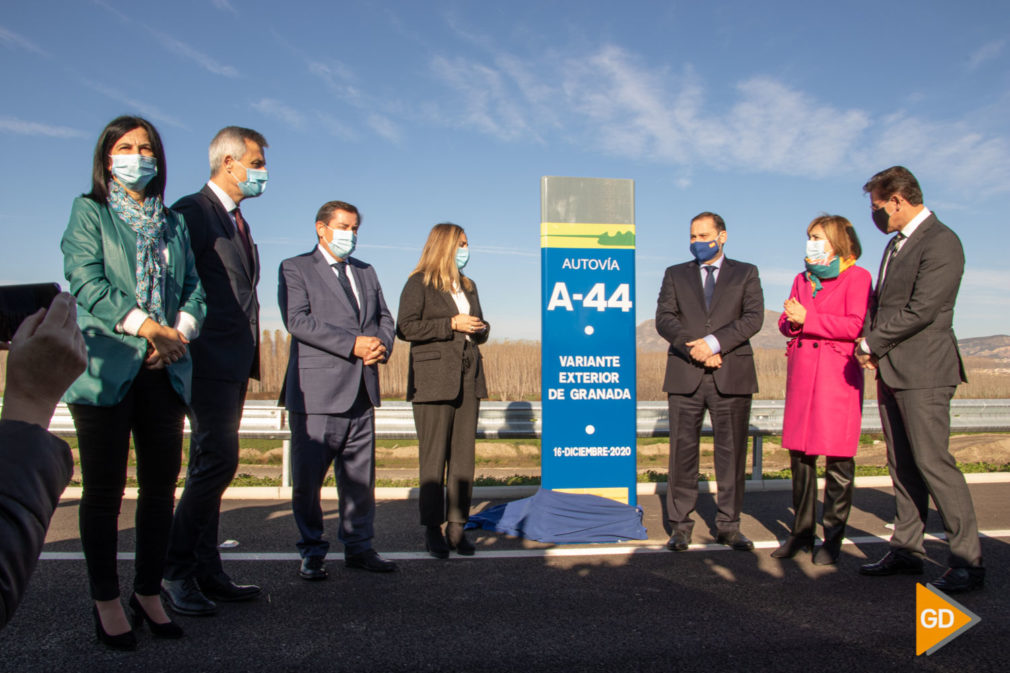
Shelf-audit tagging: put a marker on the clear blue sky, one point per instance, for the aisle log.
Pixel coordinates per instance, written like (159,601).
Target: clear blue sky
(420,112)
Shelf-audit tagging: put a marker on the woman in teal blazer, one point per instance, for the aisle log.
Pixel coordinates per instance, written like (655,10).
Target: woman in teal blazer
(130,266)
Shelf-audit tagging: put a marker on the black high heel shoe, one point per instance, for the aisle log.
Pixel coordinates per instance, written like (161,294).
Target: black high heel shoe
(434,543)
(167,630)
(793,545)
(121,641)
(456,539)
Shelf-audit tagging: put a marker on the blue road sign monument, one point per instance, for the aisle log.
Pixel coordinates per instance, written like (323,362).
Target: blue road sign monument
(587,251)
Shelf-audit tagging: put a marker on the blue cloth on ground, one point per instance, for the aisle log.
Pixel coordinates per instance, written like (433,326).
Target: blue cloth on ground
(572,518)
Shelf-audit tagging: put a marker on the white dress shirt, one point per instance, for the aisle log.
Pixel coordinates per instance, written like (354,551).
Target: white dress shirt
(331,260)
(229,205)
(462,303)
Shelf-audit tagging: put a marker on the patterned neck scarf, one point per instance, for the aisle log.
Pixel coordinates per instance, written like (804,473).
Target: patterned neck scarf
(148,221)
(817,272)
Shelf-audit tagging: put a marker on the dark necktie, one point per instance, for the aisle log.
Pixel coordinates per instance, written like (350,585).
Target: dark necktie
(895,244)
(345,283)
(709,285)
(243,233)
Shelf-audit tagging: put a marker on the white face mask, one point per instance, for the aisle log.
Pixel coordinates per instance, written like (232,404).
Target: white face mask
(816,251)
(343,243)
(134,171)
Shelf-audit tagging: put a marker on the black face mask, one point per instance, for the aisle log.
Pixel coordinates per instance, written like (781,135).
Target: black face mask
(881,218)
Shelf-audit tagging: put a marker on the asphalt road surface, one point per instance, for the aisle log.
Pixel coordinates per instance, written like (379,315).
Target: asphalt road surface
(524,606)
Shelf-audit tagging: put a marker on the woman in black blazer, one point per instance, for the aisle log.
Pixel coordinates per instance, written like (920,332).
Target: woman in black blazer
(440,316)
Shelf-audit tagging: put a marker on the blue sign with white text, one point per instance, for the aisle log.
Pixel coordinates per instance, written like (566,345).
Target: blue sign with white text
(588,357)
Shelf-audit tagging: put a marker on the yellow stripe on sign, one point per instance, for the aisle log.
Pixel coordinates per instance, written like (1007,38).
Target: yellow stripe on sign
(612,492)
(586,235)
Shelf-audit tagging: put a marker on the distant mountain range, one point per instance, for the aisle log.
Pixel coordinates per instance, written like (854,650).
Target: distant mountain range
(994,347)
(769,336)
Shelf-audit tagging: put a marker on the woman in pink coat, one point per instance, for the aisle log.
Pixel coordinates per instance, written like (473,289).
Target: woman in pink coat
(824,383)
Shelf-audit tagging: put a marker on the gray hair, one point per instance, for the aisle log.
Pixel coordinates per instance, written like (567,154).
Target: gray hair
(230,142)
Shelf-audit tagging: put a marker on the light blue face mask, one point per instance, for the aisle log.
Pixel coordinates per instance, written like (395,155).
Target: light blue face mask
(134,171)
(255,182)
(343,243)
(462,257)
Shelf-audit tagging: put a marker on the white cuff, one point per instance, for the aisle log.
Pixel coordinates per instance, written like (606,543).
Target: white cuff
(132,322)
(865,347)
(187,324)
(713,344)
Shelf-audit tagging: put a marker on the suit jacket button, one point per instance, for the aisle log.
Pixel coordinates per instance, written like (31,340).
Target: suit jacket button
(799,345)
(815,345)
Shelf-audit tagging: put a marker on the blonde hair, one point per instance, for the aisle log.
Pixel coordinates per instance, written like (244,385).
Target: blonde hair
(437,265)
(840,234)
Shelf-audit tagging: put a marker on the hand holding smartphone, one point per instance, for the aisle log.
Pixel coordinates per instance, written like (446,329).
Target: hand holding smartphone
(17,302)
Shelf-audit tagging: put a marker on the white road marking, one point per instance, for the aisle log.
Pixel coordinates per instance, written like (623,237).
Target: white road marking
(626,549)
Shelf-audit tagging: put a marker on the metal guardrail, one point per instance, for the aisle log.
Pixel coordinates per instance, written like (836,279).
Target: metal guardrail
(522,420)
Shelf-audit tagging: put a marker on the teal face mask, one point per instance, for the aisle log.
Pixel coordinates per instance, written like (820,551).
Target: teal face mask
(462,257)
(255,182)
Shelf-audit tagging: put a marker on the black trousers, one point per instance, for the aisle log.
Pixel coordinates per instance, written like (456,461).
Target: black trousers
(839,483)
(730,421)
(153,413)
(446,432)
(214,415)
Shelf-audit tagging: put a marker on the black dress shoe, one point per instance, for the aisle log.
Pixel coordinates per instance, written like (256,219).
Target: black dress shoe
(313,569)
(736,540)
(220,587)
(959,580)
(369,560)
(793,545)
(679,541)
(827,554)
(456,539)
(434,542)
(167,630)
(120,641)
(185,598)
(895,562)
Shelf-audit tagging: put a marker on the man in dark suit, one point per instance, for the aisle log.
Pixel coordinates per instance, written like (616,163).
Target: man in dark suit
(708,309)
(909,339)
(332,306)
(225,357)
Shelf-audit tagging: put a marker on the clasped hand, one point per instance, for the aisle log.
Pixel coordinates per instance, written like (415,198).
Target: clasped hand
(370,349)
(165,345)
(467,324)
(866,360)
(796,313)
(702,352)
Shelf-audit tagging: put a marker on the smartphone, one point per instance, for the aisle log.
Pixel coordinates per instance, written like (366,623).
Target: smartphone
(17,302)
